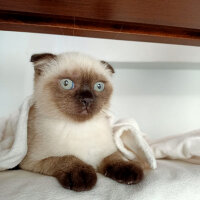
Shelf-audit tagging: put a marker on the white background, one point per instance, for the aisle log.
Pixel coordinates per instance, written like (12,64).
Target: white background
(157,84)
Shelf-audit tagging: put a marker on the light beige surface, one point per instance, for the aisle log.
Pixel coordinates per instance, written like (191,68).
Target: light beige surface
(171,180)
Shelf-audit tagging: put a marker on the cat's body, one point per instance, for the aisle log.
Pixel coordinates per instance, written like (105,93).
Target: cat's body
(69,134)
(60,137)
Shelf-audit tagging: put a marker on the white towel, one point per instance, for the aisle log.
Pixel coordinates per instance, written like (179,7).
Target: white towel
(13,137)
(130,141)
(128,138)
(184,147)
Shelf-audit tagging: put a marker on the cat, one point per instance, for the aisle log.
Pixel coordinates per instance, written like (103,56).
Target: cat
(69,134)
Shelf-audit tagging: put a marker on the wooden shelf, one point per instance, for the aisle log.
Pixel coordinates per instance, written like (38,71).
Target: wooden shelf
(172,21)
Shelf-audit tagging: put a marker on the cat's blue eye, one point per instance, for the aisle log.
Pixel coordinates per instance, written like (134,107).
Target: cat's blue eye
(99,86)
(67,84)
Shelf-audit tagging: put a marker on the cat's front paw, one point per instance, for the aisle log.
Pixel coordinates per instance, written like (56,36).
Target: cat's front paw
(124,172)
(80,178)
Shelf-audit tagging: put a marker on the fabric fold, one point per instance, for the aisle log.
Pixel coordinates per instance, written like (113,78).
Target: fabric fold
(13,137)
(185,147)
(130,141)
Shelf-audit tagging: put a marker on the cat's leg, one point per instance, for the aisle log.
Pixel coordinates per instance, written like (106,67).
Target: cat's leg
(71,172)
(114,167)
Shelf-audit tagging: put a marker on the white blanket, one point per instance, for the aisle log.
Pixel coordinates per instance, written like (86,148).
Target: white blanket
(172,180)
(13,137)
(184,147)
(126,133)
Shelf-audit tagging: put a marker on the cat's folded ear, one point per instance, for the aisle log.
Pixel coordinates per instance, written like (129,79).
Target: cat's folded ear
(109,68)
(42,57)
(41,61)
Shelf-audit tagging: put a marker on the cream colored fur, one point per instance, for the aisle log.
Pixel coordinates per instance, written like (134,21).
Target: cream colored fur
(90,141)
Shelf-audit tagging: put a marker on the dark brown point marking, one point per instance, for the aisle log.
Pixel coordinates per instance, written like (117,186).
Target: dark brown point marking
(108,66)
(116,168)
(43,56)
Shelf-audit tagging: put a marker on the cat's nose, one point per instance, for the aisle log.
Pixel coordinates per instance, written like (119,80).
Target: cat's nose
(86,101)
(86,97)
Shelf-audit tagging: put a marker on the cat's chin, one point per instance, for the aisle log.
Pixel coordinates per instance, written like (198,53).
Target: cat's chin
(84,112)
(82,116)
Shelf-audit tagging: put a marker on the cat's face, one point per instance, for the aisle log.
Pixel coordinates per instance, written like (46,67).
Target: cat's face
(76,88)
(79,94)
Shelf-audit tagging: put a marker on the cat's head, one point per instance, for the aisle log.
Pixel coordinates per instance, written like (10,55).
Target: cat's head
(72,85)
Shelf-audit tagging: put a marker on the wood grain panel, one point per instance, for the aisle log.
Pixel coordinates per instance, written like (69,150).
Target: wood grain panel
(179,13)
(166,21)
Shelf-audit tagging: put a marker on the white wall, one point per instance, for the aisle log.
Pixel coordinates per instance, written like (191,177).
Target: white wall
(164,101)
(157,84)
